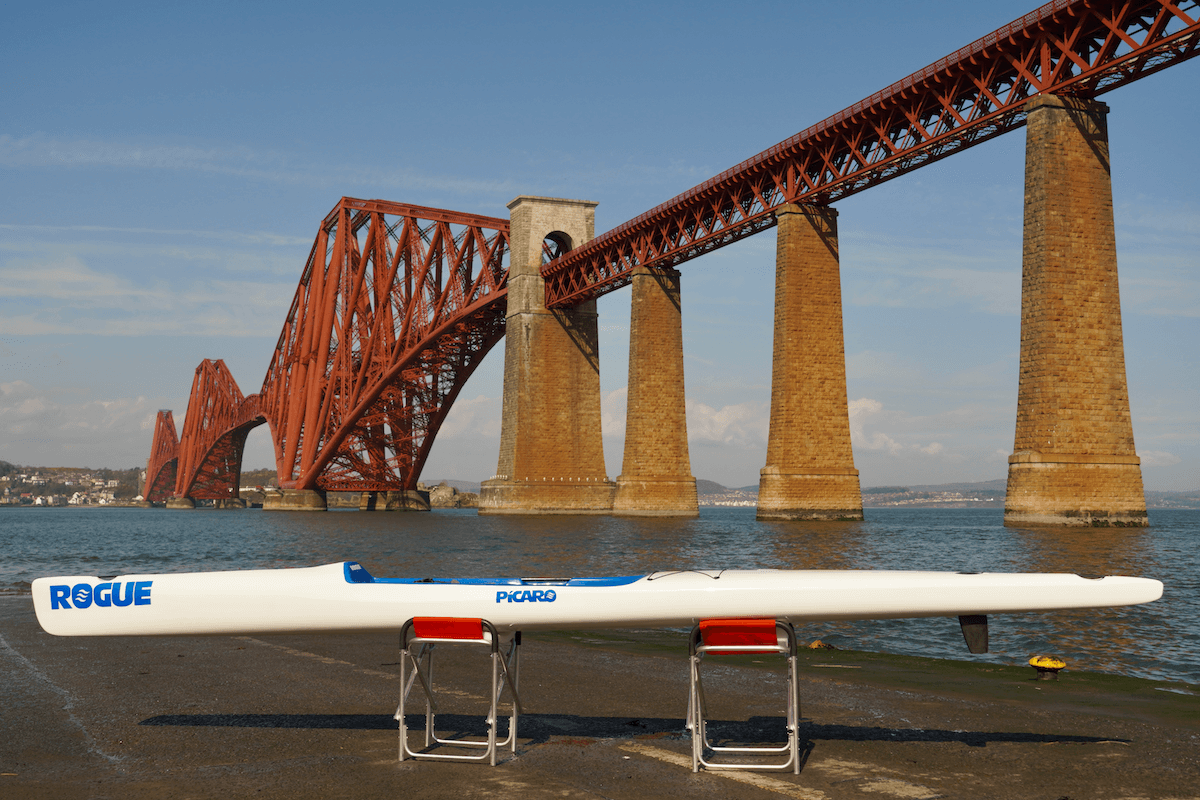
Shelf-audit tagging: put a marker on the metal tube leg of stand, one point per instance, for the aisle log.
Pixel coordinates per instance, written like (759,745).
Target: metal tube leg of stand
(701,711)
(695,714)
(494,713)
(691,693)
(400,707)
(515,677)
(794,704)
(428,696)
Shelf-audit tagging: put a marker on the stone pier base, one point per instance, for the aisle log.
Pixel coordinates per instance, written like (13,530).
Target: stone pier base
(295,500)
(404,500)
(547,497)
(180,502)
(642,496)
(229,502)
(822,496)
(1098,494)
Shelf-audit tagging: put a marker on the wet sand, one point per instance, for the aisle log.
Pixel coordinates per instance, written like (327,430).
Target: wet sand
(312,716)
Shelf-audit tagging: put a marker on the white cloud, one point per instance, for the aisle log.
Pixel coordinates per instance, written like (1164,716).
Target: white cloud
(1174,221)
(37,429)
(237,237)
(741,425)
(892,272)
(17,402)
(162,260)
(1158,458)
(71,281)
(479,416)
(1161,286)
(568,168)
(242,162)
(613,408)
(1156,251)
(866,411)
(66,296)
(860,410)
(39,151)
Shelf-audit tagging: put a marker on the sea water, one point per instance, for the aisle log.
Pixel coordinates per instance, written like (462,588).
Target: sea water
(1160,640)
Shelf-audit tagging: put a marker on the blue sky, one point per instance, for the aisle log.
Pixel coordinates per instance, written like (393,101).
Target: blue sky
(165,168)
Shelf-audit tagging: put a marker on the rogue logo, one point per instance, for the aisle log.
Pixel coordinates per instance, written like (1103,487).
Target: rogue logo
(103,595)
(527,596)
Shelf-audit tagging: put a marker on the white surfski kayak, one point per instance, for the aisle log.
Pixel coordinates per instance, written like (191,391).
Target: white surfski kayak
(344,598)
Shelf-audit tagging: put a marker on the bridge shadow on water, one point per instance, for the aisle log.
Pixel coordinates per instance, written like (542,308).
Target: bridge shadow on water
(540,728)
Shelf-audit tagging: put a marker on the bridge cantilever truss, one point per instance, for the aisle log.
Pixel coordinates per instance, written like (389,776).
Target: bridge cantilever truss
(396,307)
(215,427)
(1077,47)
(163,465)
(398,304)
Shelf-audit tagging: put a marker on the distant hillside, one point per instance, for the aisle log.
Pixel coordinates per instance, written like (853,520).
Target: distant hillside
(998,485)
(259,477)
(1173,499)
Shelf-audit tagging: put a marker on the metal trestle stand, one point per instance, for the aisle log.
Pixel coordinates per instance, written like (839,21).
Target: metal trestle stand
(742,637)
(417,640)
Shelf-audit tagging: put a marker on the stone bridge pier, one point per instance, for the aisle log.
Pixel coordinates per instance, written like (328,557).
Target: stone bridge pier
(810,470)
(656,474)
(1073,460)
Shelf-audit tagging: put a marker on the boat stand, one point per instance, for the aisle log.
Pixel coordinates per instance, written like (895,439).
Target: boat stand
(417,640)
(742,637)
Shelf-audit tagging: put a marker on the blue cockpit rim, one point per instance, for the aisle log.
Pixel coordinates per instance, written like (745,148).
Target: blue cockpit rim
(357,573)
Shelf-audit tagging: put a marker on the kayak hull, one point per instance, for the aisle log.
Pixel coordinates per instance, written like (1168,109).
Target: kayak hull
(343,598)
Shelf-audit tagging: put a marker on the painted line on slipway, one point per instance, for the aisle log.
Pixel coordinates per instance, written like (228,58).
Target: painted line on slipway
(750,778)
(68,705)
(375,673)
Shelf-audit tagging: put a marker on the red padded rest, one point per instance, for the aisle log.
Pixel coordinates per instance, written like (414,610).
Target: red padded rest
(467,628)
(739,633)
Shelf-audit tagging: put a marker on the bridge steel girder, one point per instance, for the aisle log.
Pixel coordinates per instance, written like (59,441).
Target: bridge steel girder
(1071,47)
(396,307)
(163,465)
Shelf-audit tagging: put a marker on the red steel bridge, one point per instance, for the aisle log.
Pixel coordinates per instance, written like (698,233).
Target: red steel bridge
(398,304)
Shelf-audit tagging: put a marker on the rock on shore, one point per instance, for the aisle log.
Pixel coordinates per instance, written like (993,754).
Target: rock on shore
(446,496)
